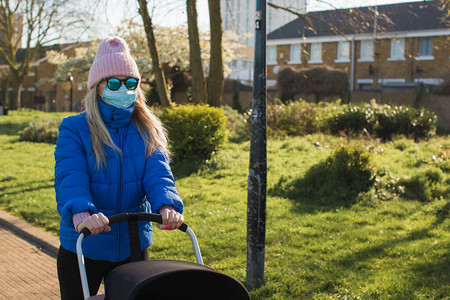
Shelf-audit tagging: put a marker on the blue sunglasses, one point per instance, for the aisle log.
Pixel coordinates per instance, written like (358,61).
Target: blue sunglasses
(114,83)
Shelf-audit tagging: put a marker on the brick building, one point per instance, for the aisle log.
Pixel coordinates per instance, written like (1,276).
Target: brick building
(46,96)
(388,45)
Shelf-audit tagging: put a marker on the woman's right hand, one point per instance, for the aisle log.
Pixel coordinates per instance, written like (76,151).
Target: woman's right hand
(96,223)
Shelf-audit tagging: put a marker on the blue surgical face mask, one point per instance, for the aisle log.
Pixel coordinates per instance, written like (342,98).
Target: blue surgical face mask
(122,98)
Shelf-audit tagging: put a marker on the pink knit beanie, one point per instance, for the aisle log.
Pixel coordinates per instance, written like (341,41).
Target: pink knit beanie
(112,58)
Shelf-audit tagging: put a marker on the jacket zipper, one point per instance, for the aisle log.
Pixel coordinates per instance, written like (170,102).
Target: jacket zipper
(120,186)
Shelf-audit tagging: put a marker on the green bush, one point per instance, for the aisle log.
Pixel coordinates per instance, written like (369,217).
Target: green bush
(41,132)
(386,187)
(238,124)
(386,124)
(294,118)
(352,120)
(408,121)
(297,118)
(424,124)
(326,111)
(383,121)
(338,180)
(426,186)
(195,131)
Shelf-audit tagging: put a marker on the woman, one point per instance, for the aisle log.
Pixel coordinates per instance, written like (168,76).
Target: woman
(110,159)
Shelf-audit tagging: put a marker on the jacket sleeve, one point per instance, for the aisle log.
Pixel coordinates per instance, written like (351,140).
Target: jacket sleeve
(71,176)
(159,183)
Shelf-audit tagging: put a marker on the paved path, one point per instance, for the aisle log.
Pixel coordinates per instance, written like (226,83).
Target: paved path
(26,272)
(27,261)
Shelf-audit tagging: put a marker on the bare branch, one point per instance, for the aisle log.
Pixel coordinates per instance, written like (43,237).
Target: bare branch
(356,20)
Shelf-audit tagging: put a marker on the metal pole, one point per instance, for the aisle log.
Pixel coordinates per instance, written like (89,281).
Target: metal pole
(71,92)
(257,178)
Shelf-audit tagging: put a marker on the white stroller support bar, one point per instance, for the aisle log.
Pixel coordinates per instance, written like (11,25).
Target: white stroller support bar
(121,218)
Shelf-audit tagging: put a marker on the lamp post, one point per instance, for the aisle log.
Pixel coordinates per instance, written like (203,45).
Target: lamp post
(257,177)
(71,92)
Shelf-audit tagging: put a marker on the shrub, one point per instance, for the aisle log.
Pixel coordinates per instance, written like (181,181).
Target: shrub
(411,122)
(320,81)
(195,131)
(424,124)
(41,132)
(352,120)
(386,187)
(384,121)
(338,180)
(425,186)
(238,124)
(326,111)
(294,118)
(298,118)
(156,110)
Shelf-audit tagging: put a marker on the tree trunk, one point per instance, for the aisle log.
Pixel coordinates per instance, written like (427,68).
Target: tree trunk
(215,80)
(5,94)
(16,84)
(198,80)
(161,86)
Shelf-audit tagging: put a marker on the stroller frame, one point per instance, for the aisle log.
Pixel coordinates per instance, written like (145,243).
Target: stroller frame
(126,217)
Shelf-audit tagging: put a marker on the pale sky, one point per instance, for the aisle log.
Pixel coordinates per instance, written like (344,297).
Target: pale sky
(172,13)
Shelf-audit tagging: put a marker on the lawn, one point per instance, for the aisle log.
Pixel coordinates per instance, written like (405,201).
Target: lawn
(372,249)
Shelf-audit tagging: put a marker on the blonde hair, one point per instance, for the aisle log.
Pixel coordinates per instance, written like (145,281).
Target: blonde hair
(149,126)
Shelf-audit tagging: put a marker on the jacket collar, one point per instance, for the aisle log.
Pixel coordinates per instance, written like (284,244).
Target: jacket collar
(114,117)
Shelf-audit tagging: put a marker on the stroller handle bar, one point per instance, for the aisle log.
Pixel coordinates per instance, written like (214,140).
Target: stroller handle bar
(125,217)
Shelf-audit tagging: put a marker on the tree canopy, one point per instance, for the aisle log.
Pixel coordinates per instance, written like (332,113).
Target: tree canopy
(172,43)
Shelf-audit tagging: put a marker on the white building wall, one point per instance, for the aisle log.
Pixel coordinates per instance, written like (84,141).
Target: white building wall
(239,16)
(241,70)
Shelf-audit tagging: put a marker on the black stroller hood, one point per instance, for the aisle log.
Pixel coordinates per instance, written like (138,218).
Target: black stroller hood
(167,279)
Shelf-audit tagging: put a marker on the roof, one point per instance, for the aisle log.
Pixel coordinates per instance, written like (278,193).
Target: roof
(42,52)
(412,16)
(244,51)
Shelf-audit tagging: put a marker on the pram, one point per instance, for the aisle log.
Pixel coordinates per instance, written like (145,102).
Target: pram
(160,279)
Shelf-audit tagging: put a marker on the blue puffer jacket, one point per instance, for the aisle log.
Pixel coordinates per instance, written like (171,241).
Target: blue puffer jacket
(129,183)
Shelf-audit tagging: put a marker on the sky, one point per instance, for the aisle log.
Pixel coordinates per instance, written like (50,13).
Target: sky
(172,13)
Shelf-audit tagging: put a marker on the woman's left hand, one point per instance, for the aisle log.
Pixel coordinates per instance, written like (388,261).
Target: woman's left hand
(171,218)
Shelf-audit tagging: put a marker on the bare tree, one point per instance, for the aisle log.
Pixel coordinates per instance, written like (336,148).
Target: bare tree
(161,86)
(35,23)
(215,80)
(198,80)
(341,21)
(444,5)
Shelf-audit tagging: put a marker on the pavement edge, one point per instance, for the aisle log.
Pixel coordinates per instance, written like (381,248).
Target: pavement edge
(39,237)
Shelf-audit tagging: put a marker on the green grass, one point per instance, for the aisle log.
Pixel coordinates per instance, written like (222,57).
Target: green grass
(397,249)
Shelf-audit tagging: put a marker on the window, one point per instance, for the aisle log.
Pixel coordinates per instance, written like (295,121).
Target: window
(367,50)
(269,23)
(316,53)
(365,84)
(387,81)
(430,81)
(295,54)
(397,49)
(426,47)
(343,52)
(272,55)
